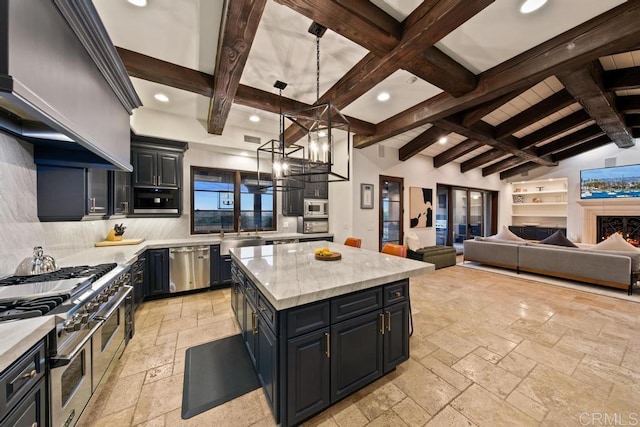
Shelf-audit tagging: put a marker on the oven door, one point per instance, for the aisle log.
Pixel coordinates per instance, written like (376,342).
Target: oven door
(109,339)
(70,382)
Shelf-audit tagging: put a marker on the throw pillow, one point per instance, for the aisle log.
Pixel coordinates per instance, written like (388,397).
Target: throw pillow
(558,239)
(506,234)
(615,242)
(412,241)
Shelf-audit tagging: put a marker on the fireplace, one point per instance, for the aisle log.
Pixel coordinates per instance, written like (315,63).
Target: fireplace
(627,226)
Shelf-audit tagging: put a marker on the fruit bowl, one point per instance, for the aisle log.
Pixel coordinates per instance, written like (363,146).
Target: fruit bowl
(324,254)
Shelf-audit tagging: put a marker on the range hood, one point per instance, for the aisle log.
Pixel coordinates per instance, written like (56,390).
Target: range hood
(62,83)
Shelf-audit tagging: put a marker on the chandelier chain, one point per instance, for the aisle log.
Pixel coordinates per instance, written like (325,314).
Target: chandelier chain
(317,69)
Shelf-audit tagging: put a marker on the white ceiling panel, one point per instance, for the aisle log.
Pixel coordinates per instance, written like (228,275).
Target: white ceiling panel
(501,32)
(405,91)
(399,9)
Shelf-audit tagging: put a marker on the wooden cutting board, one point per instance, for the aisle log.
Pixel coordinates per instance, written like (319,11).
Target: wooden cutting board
(120,242)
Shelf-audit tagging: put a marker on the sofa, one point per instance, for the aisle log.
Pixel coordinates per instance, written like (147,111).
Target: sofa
(440,256)
(607,268)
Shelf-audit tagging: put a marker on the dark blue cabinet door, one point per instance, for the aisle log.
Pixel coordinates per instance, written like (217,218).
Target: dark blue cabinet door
(250,330)
(308,387)
(396,335)
(158,268)
(267,358)
(356,353)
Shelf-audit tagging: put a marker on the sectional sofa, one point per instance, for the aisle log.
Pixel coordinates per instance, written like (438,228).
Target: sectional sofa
(607,268)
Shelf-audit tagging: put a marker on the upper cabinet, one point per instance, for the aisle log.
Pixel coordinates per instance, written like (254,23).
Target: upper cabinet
(156,168)
(120,192)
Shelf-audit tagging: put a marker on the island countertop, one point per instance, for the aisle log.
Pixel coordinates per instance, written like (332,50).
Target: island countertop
(289,275)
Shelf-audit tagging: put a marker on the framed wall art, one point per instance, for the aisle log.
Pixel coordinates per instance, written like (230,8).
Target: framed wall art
(420,207)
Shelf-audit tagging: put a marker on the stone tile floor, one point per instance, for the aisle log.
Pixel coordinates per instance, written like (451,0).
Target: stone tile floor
(488,350)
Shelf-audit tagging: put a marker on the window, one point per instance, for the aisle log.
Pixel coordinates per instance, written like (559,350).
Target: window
(223,199)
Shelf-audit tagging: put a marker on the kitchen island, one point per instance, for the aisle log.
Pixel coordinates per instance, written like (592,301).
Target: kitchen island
(317,331)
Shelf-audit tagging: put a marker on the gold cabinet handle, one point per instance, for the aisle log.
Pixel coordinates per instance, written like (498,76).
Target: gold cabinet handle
(253,322)
(389,321)
(382,323)
(34,425)
(30,374)
(398,294)
(327,341)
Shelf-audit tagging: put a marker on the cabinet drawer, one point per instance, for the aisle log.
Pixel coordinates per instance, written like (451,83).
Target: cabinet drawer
(351,305)
(396,292)
(307,318)
(250,291)
(31,410)
(268,312)
(18,379)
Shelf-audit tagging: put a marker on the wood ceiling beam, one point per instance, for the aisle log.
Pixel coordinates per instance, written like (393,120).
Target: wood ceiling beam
(582,148)
(507,163)
(239,27)
(172,75)
(556,128)
(525,167)
(482,159)
(455,152)
(628,104)
(166,73)
(535,113)
(420,142)
(586,86)
(484,132)
(622,79)
(614,30)
(570,140)
(410,44)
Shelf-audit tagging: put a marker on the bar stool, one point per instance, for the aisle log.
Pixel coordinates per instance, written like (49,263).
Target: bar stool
(393,249)
(353,241)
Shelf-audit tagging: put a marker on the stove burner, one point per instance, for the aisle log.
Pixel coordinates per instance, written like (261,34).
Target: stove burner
(94,272)
(24,309)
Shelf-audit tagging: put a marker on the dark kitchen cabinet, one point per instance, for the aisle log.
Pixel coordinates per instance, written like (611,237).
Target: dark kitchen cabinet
(316,187)
(293,203)
(396,335)
(225,269)
(267,360)
(71,194)
(356,353)
(31,411)
(214,251)
(139,279)
(120,192)
(157,271)
(156,168)
(309,373)
(250,330)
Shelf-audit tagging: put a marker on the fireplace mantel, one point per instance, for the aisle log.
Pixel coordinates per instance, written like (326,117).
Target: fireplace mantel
(593,208)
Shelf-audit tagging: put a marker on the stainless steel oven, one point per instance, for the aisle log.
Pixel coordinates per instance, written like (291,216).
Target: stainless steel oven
(315,208)
(109,338)
(70,383)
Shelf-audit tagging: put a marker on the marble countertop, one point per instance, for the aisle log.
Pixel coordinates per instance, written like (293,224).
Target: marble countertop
(19,336)
(289,275)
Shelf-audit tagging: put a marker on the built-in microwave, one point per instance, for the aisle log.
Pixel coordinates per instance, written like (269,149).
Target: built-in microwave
(309,226)
(314,208)
(155,201)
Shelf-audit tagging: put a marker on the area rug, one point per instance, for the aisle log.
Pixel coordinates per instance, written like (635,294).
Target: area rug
(578,286)
(215,373)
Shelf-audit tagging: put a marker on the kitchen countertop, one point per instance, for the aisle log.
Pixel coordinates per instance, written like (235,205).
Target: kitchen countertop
(289,275)
(16,337)
(20,335)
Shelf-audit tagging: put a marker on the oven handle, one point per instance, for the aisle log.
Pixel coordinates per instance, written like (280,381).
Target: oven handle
(116,305)
(57,362)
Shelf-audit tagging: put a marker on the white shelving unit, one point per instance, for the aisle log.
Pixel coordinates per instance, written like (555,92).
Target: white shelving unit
(539,203)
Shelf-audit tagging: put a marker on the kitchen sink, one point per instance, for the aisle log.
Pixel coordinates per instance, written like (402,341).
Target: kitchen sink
(240,241)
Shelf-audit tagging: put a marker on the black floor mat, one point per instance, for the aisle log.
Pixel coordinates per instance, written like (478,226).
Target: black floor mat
(215,373)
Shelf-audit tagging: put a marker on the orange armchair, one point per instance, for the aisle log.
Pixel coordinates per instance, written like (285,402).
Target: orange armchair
(353,241)
(397,250)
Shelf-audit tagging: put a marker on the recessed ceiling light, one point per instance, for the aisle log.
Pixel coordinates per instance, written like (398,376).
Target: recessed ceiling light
(383,96)
(442,140)
(161,97)
(139,3)
(254,118)
(244,153)
(531,5)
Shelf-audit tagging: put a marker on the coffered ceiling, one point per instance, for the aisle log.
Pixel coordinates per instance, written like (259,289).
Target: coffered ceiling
(511,91)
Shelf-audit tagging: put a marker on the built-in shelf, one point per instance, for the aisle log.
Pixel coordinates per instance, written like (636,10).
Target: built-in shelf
(539,201)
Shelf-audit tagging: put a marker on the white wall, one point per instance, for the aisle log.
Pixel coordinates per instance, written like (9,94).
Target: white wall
(570,168)
(417,172)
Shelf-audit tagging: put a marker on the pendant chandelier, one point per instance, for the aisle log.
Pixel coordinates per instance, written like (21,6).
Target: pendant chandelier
(277,156)
(326,149)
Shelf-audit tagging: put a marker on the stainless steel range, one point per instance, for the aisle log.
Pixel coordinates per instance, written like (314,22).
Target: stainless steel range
(93,306)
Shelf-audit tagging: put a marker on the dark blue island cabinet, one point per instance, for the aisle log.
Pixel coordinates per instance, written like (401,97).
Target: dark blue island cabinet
(311,356)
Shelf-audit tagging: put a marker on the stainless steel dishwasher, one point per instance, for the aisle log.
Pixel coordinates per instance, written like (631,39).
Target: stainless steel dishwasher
(189,268)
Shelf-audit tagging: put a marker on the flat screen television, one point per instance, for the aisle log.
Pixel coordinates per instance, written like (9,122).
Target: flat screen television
(610,183)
